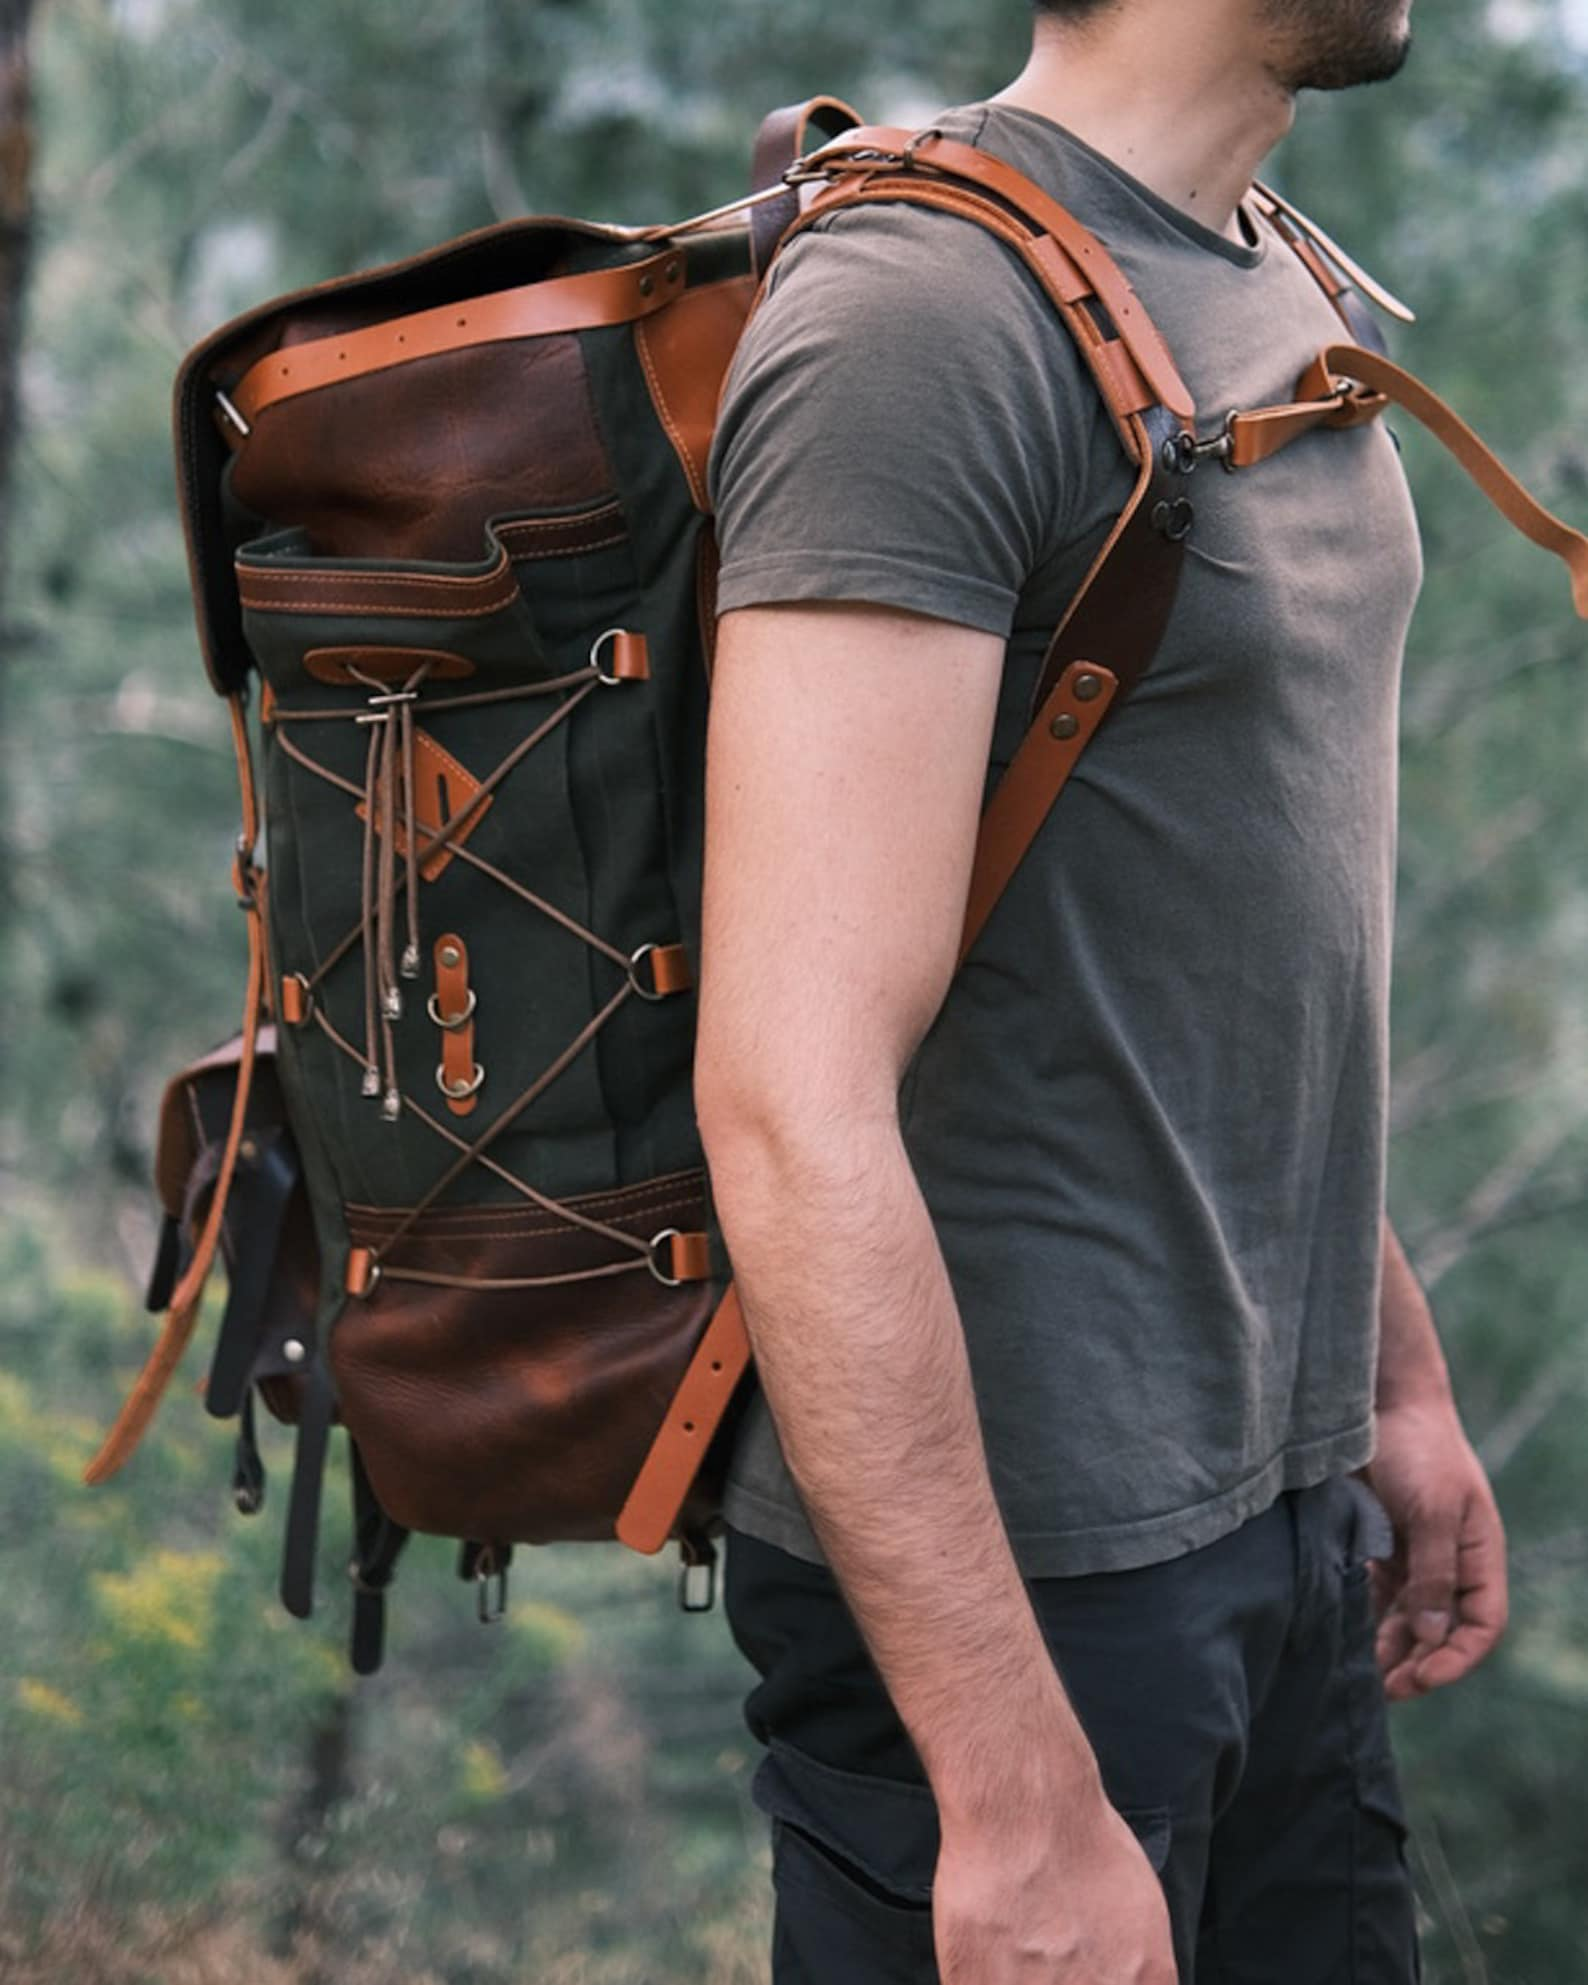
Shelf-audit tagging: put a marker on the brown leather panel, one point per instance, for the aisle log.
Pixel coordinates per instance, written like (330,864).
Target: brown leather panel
(1036,776)
(444,789)
(685,352)
(535,310)
(336,665)
(516,1415)
(414,464)
(453,1014)
(650,1513)
(311,589)
(565,537)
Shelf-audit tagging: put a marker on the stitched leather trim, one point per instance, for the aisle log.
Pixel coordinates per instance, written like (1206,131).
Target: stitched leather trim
(313,589)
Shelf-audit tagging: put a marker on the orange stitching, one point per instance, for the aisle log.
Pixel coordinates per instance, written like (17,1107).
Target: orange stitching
(374,608)
(528,1223)
(574,517)
(293,574)
(568,551)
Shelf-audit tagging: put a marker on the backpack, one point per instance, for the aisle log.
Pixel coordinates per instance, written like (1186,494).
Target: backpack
(452,514)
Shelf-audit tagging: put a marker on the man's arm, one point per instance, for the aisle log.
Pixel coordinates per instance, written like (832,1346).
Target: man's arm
(847,757)
(848,750)
(1443,1596)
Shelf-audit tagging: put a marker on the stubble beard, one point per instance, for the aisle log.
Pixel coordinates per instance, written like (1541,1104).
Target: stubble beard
(1338,44)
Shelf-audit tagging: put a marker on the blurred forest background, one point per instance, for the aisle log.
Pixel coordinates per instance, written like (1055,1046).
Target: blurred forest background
(192,1788)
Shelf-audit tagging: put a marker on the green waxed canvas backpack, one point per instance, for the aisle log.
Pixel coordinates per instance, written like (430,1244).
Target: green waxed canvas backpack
(453,564)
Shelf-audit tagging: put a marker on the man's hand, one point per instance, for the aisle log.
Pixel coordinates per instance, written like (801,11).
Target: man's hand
(1076,1903)
(1442,1598)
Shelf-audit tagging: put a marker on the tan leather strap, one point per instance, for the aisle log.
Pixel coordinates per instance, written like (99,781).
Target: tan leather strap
(535,310)
(721,1359)
(1275,204)
(1346,386)
(149,1388)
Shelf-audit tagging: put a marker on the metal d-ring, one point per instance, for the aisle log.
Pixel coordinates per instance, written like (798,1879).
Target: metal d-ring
(644,991)
(433,1008)
(652,1261)
(606,681)
(456,1091)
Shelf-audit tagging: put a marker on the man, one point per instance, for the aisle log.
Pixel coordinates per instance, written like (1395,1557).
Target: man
(1043,1532)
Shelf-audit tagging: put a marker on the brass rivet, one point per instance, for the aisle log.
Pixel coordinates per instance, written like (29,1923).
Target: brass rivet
(451,955)
(647,284)
(1064,725)
(1087,687)
(671,272)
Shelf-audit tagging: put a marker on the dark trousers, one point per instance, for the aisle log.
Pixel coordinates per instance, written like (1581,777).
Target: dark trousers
(1232,1699)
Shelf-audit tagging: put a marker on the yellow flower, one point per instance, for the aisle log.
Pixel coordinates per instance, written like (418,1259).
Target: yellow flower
(168,1600)
(39,1699)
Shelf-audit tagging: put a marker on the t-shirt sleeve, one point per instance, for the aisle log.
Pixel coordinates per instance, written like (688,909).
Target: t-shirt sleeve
(903,424)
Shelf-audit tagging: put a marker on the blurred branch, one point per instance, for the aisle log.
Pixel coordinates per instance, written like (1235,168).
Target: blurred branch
(1553,1383)
(1492,1199)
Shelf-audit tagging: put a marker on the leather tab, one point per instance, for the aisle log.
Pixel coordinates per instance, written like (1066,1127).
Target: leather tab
(629,657)
(337,665)
(671,969)
(444,790)
(360,1276)
(452,1010)
(690,1257)
(721,1359)
(294,999)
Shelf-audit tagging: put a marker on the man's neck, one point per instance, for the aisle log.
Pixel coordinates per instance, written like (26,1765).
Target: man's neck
(1163,101)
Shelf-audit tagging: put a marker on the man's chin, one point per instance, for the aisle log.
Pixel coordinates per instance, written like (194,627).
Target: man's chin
(1349,71)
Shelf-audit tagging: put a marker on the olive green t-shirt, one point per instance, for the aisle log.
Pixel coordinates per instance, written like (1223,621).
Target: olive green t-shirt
(1149,1121)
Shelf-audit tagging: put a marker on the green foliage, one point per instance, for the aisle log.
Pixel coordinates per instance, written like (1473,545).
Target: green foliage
(564,1799)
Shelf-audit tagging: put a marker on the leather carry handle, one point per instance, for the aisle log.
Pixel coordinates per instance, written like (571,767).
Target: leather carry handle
(784,137)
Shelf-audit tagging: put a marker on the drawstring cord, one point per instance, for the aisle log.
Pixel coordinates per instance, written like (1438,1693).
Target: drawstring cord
(389,759)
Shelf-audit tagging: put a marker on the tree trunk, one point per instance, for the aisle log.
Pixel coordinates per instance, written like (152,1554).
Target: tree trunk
(16,217)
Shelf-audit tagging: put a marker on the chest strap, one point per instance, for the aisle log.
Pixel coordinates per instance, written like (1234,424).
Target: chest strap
(1346,386)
